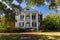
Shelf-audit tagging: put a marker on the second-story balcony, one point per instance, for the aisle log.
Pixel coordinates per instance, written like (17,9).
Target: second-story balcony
(28,17)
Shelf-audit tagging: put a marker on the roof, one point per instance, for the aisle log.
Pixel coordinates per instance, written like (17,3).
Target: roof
(29,9)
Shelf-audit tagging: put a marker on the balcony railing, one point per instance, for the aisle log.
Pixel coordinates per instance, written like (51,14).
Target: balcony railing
(27,18)
(22,19)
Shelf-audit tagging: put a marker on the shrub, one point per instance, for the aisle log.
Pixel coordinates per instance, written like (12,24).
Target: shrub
(2,30)
(33,29)
(18,30)
(11,30)
(41,30)
(52,22)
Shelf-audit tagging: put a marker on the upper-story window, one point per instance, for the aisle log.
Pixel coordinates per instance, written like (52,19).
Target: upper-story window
(38,17)
(28,17)
(27,24)
(33,17)
(21,17)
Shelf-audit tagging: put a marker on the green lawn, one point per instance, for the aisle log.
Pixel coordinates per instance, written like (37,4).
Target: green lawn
(19,36)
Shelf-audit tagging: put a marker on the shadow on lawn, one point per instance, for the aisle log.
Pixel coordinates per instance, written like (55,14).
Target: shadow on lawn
(27,37)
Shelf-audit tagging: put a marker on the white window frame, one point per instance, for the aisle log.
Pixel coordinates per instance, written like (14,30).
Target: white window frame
(21,24)
(21,17)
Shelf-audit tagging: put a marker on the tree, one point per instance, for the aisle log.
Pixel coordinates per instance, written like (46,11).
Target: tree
(9,12)
(2,21)
(9,3)
(52,4)
(51,21)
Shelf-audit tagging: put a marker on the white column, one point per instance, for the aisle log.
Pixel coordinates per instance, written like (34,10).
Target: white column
(37,21)
(24,20)
(18,19)
(31,19)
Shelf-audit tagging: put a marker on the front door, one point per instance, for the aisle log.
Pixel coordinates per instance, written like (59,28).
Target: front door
(27,25)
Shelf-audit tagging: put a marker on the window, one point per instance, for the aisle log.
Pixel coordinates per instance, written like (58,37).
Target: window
(33,24)
(27,25)
(27,17)
(38,23)
(33,17)
(21,24)
(38,17)
(21,17)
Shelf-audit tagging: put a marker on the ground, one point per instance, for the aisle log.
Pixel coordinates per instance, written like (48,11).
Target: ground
(30,36)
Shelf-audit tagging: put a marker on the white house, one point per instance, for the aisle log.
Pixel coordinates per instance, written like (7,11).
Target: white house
(28,18)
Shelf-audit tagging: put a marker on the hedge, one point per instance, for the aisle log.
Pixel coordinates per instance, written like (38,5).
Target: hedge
(11,30)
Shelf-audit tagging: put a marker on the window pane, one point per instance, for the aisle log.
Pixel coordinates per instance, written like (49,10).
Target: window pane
(28,25)
(38,23)
(38,17)
(21,24)
(27,17)
(22,17)
(33,24)
(33,17)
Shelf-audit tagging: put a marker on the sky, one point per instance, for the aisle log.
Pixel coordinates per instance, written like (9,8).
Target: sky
(43,9)
(39,9)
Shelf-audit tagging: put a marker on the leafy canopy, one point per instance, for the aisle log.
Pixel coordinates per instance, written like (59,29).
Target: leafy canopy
(50,3)
(52,21)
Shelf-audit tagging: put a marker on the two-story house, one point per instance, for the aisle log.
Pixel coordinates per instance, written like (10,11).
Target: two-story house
(28,18)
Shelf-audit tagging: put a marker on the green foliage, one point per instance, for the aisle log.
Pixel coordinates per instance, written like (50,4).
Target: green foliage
(10,36)
(9,3)
(33,29)
(52,3)
(2,21)
(35,2)
(41,30)
(2,30)
(2,6)
(13,36)
(51,22)
(9,14)
(14,30)
(11,30)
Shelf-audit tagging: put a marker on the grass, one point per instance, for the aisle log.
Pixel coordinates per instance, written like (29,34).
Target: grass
(9,37)
(18,36)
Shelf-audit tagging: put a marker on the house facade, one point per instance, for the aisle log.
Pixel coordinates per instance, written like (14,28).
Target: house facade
(28,18)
